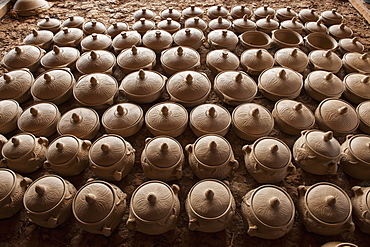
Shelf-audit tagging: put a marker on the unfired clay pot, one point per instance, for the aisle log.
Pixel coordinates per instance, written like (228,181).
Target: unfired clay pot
(315,27)
(285,14)
(16,85)
(96,61)
(222,38)
(143,25)
(340,31)
(267,25)
(356,62)
(170,13)
(325,209)
(361,207)
(3,140)
(190,36)
(60,57)
(179,58)
(50,24)
(126,39)
(331,17)
(217,11)
(144,13)
(9,114)
(136,58)
(243,25)
(263,12)
(219,23)
(48,201)
(320,84)
(196,22)
(41,38)
(363,111)
(24,56)
(157,40)
(93,26)
(192,11)
(320,41)
(96,41)
(74,21)
(116,28)
(254,61)
(325,60)
(308,15)
(292,24)
(240,11)
(211,156)
(350,45)
(286,38)
(222,60)
(68,37)
(169,25)
(28,8)
(357,87)
(292,58)
(268,212)
(255,39)
(210,206)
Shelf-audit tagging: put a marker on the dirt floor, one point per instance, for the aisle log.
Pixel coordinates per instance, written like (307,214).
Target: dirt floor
(19,231)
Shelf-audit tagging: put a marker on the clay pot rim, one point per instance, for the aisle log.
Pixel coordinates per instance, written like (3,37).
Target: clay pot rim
(350,88)
(15,115)
(360,116)
(74,155)
(128,127)
(202,130)
(13,185)
(309,83)
(29,151)
(289,31)
(305,134)
(265,35)
(324,35)
(350,139)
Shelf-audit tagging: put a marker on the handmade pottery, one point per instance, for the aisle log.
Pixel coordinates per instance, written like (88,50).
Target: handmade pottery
(136,58)
(285,14)
(143,25)
(179,58)
(263,12)
(144,13)
(361,207)
(3,140)
(74,21)
(243,25)
(222,38)
(96,61)
(170,13)
(50,24)
(219,23)
(362,111)
(254,61)
(41,38)
(16,85)
(126,39)
(357,87)
(315,27)
(196,22)
(60,57)
(23,56)
(9,114)
(68,37)
(169,25)
(93,26)
(292,58)
(217,11)
(320,41)
(222,60)
(286,38)
(321,84)
(325,60)
(116,28)
(157,40)
(268,212)
(350,45)
(267,25)
(192,11)
(154,208)
(211,156)
(340,31)
(210,206)
(255,39)
(338,244)
(96,41)
(189,36)
(308,15)
(331,17)
(240,11)
(292,24)
(356,62)
(30,7)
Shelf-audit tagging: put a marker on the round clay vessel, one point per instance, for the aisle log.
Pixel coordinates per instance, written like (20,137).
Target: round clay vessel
(286,38)
(74,21)
(211,156)
(189,88)
(308,15)
(144,13)
(219,23)
(170,13)
(217,11)
(48,201)
(41,38)
(320,41)
(350,45)
(210,206)
(315,27)
(222,60)
(252,121)
(240,11)
(23,56)
(362,111)
(179,58)
(320,84)
(124,119)
(68,37)
(235,87)
(157,40)
(3,140)
(93,26)
(356,62)
(60,57)
(96,61)
(338,244)
(126,39)
(243,24)
(81,122)
(9,114)
(340,31)
(254,61)
(222,38)
(16,85)
(325,209)
(192,11)
(12,191)
(357,87)
(30,7)
(196,22)
(162,158)
(331,17)
(190,36)
(143,86)
(143,25)
(292,24)
(116,28)
(268,212)
(136,58)
(154,208)
(169,25)
(267,25)
(166,118)
(292,58)
(67,155)
(96,41)
(325,60)
(285,14)
(111,157)
(255,39)
(99,207)
(361,207)
(317,152)
(50,24)
(210,119)
(263,12)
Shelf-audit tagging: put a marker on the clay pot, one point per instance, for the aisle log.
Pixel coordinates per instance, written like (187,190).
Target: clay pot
(96,90)
(48,201)
(325,60)
(357,87)
(285,14)
(96,61)
(286,38)
(154,208)
(350,45)
(255,39)
(68,37)
(210,119)
(240,11)
(321,84)
(317,152)
(267,25)
(169,25)
(252,121)
(144,13)
(340,31)
(81,122)
(292,58)
(219,23)
(39,119)
(74,21)
(263,12)
(361,207)
(336,115)
(50,24)
(166,118)
(320,41)
(217,11)
(67,155)
(30,7)
(136,58)
(24,56)
(9,114)
(143,86)
(325,209)
(111,157)
(196,22)
(315,27)
(96,41)
(143,25)
(3,140)
(124,119)
(53,86)
(12,191)
(211,156)
(292,24)
(292,117)
(268,212)
(93,26)
(192,11)
(116,28)
(189,88)
(356,62)
(331,17)
(190,36)
(99,207)
(243,25)
(41,38)
(60,57)
(254,61)
(125,40)
(308,15)
(210,206)
(157,40)
(179,58)
(170,13)
(16,85)
(338,244)
(362,111)
(222,38)
(162,158)
(235,87)
(222,60)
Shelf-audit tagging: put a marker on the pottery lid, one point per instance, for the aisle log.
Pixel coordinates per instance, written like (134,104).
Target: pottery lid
(136,57)
(166,116)
(95,88)
(143,25)
(238,12)
(68,35)
(358,84)
(94,26)
(196,22)
(223,59)
(293,24)
(23,56)
(9,110)
(188,85)
(236,84)
(18,146)
(267,23)
(126,39)
(323,143)
(192,11)
(163,151)
(308,15)
(272,205)
(257,59)
(152,200)
(332,15)
(15,83)
(210,198)
(143,82)
(78,121)
(60,57)
(340,31)
(216,11)
(272,152)
(358,61)
(96,61)
(325,82)
(48,23)
(38,37)
(363,111)
(291,58)
(93,202)
(38,117)
(316,26)
(157,39)
(180,57)
(328,202)
(212,150)
(170,13)
(253,118)
(29,7)
(219,23)
(96,41)
(107,150)
(286,12)
(245,23)
(223,37)
(188,36)
(52,84)
(44,193)
(325,59)
(264,11)
(295,113)
(116,28)
(62,149)
(144,13)
(122,116)
(210,118)
(73,21)
(351,45)
(360,147)
(169,25)
(7,178)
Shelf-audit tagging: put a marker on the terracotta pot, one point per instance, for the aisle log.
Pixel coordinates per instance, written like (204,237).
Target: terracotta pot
(41,38)
(179,58)
(357,87)
(217,11)
(125,40)
(9,114)
(361,207)
(340,31)
(24,56)
(170,13)
(240,11)
(192,11)
(324,60)
(292,58)
(74,21)
(190,36)
(222,38)
(285,14)
(254,61)
(308,15)
(30,7)
(16,85)
(144,13)
(157,40)
(356,62)
(143,25)
(93,26)
(331,17)
(116,28)
(243,25)
(350,45)
(96,41)
(362,111)
(321,85)
(219,23)
(60,58)
(286,38)
(50,24)
(68,37)
(96,61)
(292,24)
(255,39)
(320,41)
(222,60)
(267,25)
(263,12)
(169,25)
(136,58)
(196,22)
(315,27)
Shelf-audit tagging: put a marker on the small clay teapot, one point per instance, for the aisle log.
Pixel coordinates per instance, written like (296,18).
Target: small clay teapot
(179,58)
(74,21)
(96,61)
(190,36)
(217,11)
(12,190)
(285,14)
(196,22)
(96,41)
(363,110)
(28,8)
(320,41)
(292,24)
(50,24)
(16,85)
(308,15)
(320,84)
(211,156)
(340,31)
(292,58)
(144,13)
(169,25)
(357,87)
(219,23)
(240,11)
(263,12)
(267,25)
(116,28)
(126,39)
(361,207)
(9,114)
(60,57)
(210,206)
(24,56)
(331,17)
(222,38)
(157,40)
(143,25)
(243,25)
(68,37)
(48,201)
(154,208)
(136,58)
(41,38)
(170,13)
(315,27)
(93,26)
(350,45)
(99,207)
(222,60)
(325,209)
(286,38)
(356,62)
(255,39)
(254,61)
(192,11)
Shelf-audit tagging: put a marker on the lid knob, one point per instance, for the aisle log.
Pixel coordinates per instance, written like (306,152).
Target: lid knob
(239,77)
(121,110)
(319,22)
(158,34)
(93,55)
(164,147)
(187,31)
(328,136)
(298,107)
(59,145)
(268,18)
(56,49)
(242,7)
(165,110)
(209,194)
(34,111)
(94,36)
(115,25)
(288,8)
(93,22)
(7,78)
(225,54)
(342,26)
(343,110)
(34,32)
(354,40)
(294,19)
(330,200)
(196,19)
(18,50)
(76,118)
(71,18)
(328,76)
(123,35)
(366,79)
(105,147)
(65,30)
(15,141)
(224,33)
(212,145)
(40,189)
(90,198)
(219,19)
(94,81)
(47,18)
(274,202)
(170,10)
(259,53)
(143,10)
(134,50)
(265,7)
(142,20)
(274,148)
(255,112)
(141,74)
(180,51)
(48,78)
(192,7)
(281,73)
(169,20)
(189,79)
(152,198)
(328,53)
(364,56)
(245,17)
(211,112)
(294,52)
(334,11)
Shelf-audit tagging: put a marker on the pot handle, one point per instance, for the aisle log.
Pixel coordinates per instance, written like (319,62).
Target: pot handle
(131,224)
(234,164)
(117,175)
(193,224)
(47,164)
(3,162)
(43,141)
(26,181)
(189,148)
(175,189)
(247,149)
(86,144)
(357,190)
(253,230)
(291,168)
(53,221)
(107,231)
(302,190)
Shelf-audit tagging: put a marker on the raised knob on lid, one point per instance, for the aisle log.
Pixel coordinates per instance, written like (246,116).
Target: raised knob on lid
(180,51)
(189,79)
(224,33)
(164,147)
(209,194)
(121,110)
(265,7)
(334,11)
(124,35)
(211,112)
(192,7)
(225,54)
(187,31)
(328,136)
(268,18)
(34,32)
(7,78)
(115,25)
(65,30)
(165,110)
(245,17)
(40,189)
(239,77)
(281,73)
(48,78)
(328,53)
(15,141)
(298,107)
(274,202)
(366,79)
(259,53)
(294,19)
(219,19)
(18,50)
(274,148)
(212,145)
(93,22)
(328,76)
(105,147)
(94,81)
(255,112)
(169,20)
(343,110)
(59,145)
(94,36)
(93,55)
(354,40)
(319,22)
(34,111)
(90,198)
(56,49)
(152,198)
(196,19)
(294,52)
(141,74)
(76,118)
(142,20)
(158,34)
(330,200)
(219,7)
(342,26)
(364,56)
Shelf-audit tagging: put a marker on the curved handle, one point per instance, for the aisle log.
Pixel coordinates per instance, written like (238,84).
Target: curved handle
(193,224)
(189,148)
(247,149)
(131,224)
(234,164)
